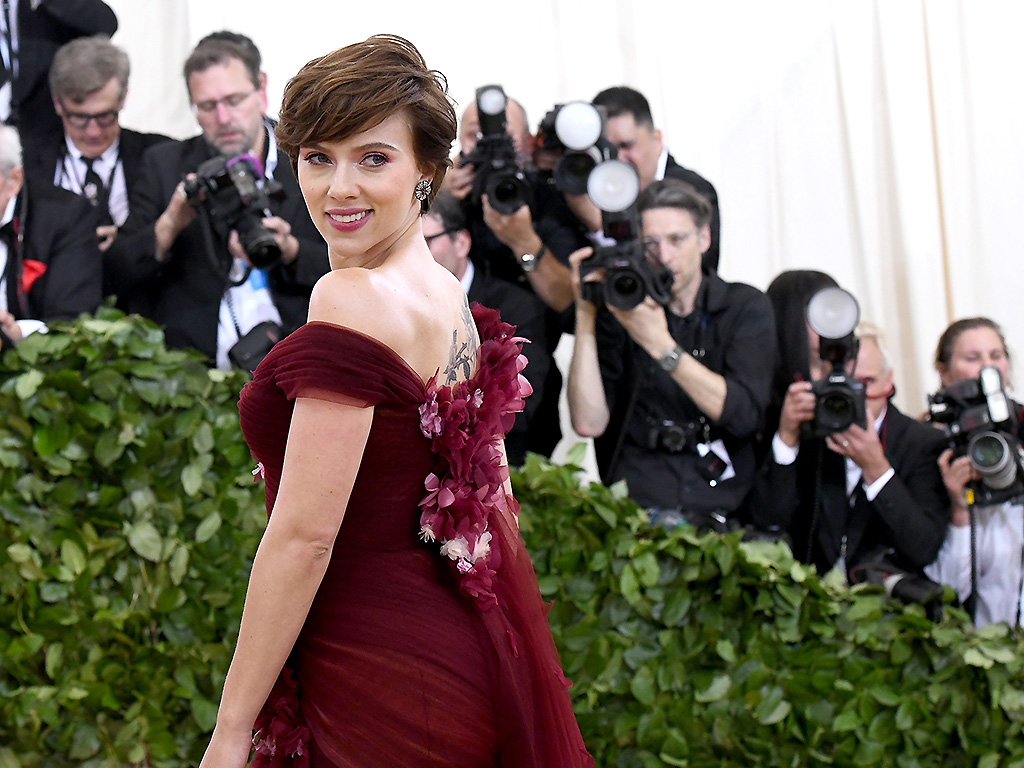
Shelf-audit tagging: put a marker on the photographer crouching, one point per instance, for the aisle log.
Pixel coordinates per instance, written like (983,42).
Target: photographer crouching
(982,469)
(852,480)
(671,375)
(219,247)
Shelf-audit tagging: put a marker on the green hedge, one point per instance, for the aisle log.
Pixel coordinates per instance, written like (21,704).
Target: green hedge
(128,520)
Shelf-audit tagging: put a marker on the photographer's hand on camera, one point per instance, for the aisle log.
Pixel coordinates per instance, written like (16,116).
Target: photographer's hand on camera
(864,448)
(282,232)
(956,473)
(459,179)
(176,216)
(797,408)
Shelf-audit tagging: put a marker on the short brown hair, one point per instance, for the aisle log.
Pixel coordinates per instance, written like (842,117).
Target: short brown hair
(674,193)
(356,88)
(85,65)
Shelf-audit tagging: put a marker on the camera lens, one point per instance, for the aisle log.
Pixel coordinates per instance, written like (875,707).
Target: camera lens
(992,457)
(572,170)
(624,288)
(836,410)
(506,191)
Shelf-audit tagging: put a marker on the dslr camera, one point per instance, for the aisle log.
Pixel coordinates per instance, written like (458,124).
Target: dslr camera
(228,191)
(631,273)
(839,401)
(573,133)
(496,169)
(981,423)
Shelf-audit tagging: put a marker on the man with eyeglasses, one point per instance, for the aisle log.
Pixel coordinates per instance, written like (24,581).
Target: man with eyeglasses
(444,228)
(95,158)
(178,265)
(673,395)
(32,31)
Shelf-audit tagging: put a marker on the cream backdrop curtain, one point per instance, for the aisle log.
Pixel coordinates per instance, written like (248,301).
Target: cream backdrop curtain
(879,141)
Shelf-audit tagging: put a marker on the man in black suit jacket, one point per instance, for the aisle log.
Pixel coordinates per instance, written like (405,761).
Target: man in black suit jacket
(95,157)
(41,27)
(444,228)
(861,495)
(630,127)
(177,266)
(50,266)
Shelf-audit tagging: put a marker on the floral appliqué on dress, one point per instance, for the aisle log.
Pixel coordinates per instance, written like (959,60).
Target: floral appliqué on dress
(465,423)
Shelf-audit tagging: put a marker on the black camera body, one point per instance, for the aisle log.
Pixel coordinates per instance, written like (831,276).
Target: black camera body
(228,190)
(839,402)
(630,275)
(496,171)
(981,423)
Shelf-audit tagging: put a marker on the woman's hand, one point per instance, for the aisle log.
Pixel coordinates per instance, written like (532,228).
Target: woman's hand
(797,408)
(228,750)
(956,473)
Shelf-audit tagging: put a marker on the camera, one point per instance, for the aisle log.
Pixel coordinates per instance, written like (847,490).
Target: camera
(839,399)
(631,272)
(981,423)
(575,133)
(228,190)
(496,169)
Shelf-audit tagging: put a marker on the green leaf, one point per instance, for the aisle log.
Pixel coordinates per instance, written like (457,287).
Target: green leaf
(144,538)
(976,658)
(716,690)
(846,721)
(192,479)
(72,556)
(54,660)
(643,687)
(206,529)
(27,384)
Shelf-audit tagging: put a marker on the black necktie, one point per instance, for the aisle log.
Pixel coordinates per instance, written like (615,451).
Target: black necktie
(95,192)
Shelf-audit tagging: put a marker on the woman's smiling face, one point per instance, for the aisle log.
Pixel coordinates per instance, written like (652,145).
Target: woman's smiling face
(360,190)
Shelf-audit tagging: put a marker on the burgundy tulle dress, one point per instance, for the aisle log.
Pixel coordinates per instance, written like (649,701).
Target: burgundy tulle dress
(427,643)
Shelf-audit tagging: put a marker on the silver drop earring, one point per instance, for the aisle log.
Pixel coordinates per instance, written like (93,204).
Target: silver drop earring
(423,189)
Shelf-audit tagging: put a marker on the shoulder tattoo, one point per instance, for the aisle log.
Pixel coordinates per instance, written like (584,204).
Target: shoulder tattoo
(462,355)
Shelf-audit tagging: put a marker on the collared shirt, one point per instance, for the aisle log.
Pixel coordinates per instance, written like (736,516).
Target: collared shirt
(71,169)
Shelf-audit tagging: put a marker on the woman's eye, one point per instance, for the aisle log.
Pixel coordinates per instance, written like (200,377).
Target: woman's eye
(375,159)
(316,158)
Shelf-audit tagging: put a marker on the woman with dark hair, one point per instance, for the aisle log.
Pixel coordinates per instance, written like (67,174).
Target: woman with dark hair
(789,293)
(392,616)
(981,556)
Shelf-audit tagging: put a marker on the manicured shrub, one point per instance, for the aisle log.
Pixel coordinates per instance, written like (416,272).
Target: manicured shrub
(128,522)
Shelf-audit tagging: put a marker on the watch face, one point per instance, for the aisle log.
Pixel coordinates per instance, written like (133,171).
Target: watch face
(670,360)
(528,262)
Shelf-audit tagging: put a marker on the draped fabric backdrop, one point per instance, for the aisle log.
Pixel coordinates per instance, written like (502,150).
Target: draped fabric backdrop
(875,140)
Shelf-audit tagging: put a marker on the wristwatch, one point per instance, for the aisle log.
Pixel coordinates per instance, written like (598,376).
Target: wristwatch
(670,360)
(529,261)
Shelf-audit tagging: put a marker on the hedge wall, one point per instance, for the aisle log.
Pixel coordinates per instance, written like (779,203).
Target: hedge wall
(128,520)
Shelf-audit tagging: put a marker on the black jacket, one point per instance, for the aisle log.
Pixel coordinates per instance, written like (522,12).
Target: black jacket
(909,515)
(674,170)
(56,260)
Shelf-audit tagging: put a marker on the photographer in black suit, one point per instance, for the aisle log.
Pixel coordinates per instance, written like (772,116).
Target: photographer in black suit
(50,267)
(95,157)
(444,228)
(187,270)
(860,496)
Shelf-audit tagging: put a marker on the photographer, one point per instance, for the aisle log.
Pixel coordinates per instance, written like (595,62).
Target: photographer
(988,581)
(186,268)
(673,395)
(528,241)
(861,495)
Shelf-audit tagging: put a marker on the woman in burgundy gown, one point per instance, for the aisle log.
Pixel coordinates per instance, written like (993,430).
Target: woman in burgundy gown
(392,616)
